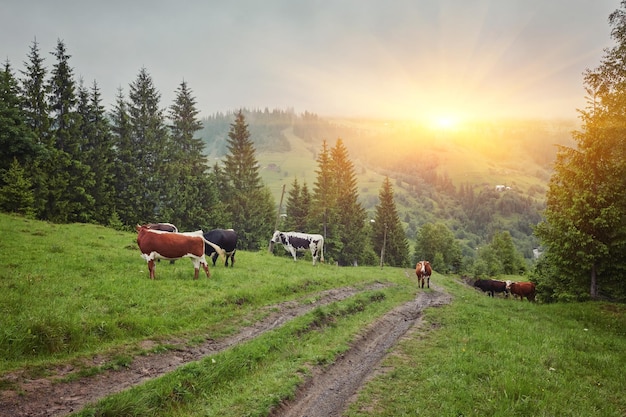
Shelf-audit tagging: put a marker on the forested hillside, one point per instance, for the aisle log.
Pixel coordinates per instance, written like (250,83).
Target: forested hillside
(439,175)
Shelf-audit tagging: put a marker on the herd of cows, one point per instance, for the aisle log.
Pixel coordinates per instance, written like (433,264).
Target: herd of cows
(521,289)
(163,241)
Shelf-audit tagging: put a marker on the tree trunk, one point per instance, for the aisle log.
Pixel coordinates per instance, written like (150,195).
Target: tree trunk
(593,290)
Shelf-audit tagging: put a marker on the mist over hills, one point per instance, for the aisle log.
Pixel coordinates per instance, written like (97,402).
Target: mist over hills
(440,174)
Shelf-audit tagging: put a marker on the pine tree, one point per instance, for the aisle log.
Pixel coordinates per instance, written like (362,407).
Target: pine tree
(297,208)
(353,229)
(151,150)
(98,152)
(35,105)
(250,204)
(584,231)
(126,181)
(388,229)
(17,140)
(71,202)
(192,197)
(16,195)
(323,216)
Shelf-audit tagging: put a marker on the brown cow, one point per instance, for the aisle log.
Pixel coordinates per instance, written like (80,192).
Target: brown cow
(423,272)
(156,244)
(523,289)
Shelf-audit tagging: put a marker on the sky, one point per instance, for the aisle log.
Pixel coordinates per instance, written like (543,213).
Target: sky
(417,59)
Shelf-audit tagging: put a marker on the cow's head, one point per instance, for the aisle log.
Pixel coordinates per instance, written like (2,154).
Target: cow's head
(275,239)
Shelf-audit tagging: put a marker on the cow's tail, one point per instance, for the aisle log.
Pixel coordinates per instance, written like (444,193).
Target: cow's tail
(219,250)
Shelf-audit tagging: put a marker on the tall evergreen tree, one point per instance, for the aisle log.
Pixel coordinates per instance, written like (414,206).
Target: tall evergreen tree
(351,216)
(322,216)
(584,230)
(45,181)
(297,208)
(98,152)
(150,150)
(17,140)
(249,202)
(126,183)
(388,229)
(192,197)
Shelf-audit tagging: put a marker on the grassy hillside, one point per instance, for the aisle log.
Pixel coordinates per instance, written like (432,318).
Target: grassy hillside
(71,291)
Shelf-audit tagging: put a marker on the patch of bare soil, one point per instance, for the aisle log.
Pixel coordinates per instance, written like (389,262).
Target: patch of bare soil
(326,394)
(329,391)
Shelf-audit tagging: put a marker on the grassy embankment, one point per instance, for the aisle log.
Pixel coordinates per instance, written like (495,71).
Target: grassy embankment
(74,290)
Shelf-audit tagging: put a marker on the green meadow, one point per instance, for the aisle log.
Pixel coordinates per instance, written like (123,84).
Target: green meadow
(74,291)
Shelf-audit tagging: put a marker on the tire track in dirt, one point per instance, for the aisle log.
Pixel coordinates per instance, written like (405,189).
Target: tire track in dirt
(50,396)
(329,391)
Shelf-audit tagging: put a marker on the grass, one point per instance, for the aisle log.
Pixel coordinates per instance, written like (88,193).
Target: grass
(73,291)
(501,357)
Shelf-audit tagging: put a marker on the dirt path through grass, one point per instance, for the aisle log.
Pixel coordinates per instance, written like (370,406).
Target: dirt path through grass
(326,394)
(330,391)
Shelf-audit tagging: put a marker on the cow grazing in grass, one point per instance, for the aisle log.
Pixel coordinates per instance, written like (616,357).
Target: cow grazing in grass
(295,241)
(491,286)
(155,244)
(225,239)
(423,272)
(523,289)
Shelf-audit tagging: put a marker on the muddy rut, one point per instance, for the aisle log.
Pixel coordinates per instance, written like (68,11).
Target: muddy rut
(326,393)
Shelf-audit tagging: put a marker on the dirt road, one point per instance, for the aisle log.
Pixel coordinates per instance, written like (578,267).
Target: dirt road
(327,393)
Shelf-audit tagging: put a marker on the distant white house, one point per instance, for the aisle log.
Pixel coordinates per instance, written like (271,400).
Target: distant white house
(502,187)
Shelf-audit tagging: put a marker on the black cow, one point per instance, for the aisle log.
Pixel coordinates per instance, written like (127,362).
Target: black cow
(225,239)
(491,286)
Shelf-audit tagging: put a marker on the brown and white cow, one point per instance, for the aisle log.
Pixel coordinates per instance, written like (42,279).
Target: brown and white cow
(423,272)
(155,244)
(523,289)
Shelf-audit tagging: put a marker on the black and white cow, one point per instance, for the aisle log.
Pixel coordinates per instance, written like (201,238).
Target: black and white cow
(295,241)
(225,239)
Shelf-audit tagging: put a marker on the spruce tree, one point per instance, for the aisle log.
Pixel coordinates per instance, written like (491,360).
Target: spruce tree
(249,202)
(322,218)
(98,152)
(126,181)
(69,177)
(298,206)
(17,140)
(388,229)
(351,216)
(192,196)
(584,232)
(35,105)
(151,150)
(16,194)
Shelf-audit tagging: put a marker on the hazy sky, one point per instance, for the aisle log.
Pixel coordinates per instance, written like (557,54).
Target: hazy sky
(395,58)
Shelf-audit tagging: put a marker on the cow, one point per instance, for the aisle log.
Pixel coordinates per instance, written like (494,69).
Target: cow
(491,286)
(523,289)
(165,227)
(423,272)
(296,241)
(156,244)
(225,239)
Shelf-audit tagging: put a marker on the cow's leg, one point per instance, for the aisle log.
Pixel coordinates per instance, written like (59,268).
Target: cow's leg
(428,281)
(214,257)
(151,268)
(232,258)
(292,250)
(202,261)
